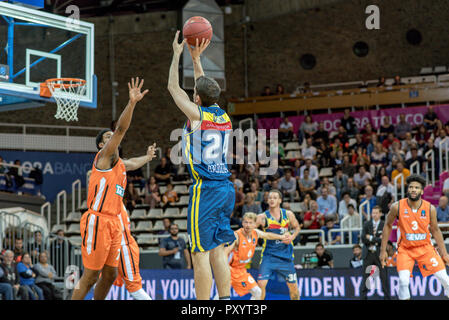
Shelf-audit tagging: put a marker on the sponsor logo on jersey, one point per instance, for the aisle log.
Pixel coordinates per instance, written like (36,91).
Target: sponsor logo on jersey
(423,214)
(405,211)
(119,190)
(415,236)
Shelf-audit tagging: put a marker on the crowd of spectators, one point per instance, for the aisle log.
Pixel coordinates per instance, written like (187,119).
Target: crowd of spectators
(12,178)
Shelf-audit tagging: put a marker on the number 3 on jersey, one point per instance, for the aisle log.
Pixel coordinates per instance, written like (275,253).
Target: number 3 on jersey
(414,225)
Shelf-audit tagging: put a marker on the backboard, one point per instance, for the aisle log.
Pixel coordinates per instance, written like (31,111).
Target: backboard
(36,46)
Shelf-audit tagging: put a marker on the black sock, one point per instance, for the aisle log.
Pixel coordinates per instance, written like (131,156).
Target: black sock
(225,298)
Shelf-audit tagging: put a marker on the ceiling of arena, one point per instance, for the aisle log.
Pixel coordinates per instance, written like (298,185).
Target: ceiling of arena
(89,8)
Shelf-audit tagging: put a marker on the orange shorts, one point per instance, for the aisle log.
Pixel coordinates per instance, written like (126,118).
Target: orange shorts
(128,268)
(242,281)
(102,235)
(429,261)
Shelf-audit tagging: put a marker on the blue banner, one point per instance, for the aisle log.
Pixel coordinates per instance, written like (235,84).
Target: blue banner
(313,284)
(59,169)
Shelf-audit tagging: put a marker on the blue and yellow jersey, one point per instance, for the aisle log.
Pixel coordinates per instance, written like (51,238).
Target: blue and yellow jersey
(275,248)
(205,146)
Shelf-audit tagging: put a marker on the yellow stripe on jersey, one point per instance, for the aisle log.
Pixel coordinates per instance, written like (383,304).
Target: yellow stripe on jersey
(197,213)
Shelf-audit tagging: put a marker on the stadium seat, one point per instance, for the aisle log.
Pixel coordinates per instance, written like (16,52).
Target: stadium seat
(389,82)
(74,228)
(142,206)
(162,189)
(443,78)
(147,239)
(73,217)
(183,212)
(325,172)
(57,227)
(296,154)
(183,201)
(84,204)
(439,69)
(138,214)
(182,224)
(429,79)
(181,189)
(171,213)
(295,207)
(426,70)
(76,240)
(144,226)
(158,226)
(155,213)
(292,146)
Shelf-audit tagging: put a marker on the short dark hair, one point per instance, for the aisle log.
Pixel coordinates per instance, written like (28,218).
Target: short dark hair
(356,246)
(99,138)
(351,206)
(319,245)
(378,208)
(208,89)
(416,178)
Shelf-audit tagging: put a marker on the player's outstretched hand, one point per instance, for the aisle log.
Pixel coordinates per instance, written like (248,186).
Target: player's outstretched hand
(199,48)
(135,94)
(446,259)
(178,47)
(383,258)
(151,152)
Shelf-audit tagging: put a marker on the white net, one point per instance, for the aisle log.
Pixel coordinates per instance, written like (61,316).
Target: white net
(67,94)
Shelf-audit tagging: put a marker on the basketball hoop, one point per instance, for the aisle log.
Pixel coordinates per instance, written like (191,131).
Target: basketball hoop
(67,93)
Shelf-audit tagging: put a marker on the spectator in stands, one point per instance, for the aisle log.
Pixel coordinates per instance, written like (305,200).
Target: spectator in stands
(347,167)
(235,180)
(348,122)
(327,203)
(356,260)
(18,250)
(250,205)
(131,197)
(257,194)
(378,157)
(3,169)
(266,91)
(361,176)
(309,151)
(414,157)
(6,287)
(397,81)
(306,184)
(402,127)
(443,210)
(16,172)
(173,251)
(264,205)
(313,220)
(358,154)
(304,206)
(313,170)
(422,136)
(400,169)
(342,136)
(389,140)
(167,223)
(321,135)
(335,238)
(408,142)
(36,245)
(430,118)
(296,170)
(307,129)
(359,143)
(324,155)
(236,216)
(163,172)
(385,128)
(286,130)
(330,188)
(280,89)
(446,187)
(352,189)
(306,88)
(11,276)
(287,185)
(385,186)
(439,140)
(381,82)
(340,182)
(367,132)
(369,196)
(325,258)
(27,278)
(136,177)
(152,193)
(371,144)
(45,274)
(352,221)
(170,196)
(60,253)
(343,205)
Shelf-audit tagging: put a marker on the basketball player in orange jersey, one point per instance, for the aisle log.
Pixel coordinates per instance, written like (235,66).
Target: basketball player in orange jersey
(242,250)
(100,225)
(417,221)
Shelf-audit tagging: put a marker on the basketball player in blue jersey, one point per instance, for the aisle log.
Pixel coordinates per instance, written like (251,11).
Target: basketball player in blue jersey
(212,195)
(277,256)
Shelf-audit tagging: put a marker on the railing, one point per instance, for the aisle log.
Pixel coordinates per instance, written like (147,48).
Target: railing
(368,206)
(76,183)
(308,231)
(342,231)
(430,154)
(415,168)
(9,229)
(249,120)
(47,205)
(395,184)
(28,230)
(443,149)
(62,194)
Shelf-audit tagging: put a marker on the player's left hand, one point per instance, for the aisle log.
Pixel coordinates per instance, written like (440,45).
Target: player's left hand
(178,47)
(135,87)
(288,238)
(196,51)
(446,259)
(151,152)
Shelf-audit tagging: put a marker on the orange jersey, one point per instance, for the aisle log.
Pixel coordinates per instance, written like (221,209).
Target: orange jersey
(241,255)
(413,227)
(107,188)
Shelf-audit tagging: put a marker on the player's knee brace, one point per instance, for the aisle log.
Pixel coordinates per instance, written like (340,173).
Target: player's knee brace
(444,280)
(404,281)
(256,293)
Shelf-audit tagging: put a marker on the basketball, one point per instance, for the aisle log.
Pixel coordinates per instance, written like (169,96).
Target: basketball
(197,28)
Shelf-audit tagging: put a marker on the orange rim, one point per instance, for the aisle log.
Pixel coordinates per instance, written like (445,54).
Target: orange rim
(72,82)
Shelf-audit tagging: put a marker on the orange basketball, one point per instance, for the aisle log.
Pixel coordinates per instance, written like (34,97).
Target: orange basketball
(197,28)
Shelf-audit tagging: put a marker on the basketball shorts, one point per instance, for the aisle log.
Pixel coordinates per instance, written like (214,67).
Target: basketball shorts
(102,236)
(242,281)
(429,261)
(270,266)
(208,216)
(128,267)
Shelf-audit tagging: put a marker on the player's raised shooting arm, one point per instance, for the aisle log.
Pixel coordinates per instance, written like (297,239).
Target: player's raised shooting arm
(388,226)
(138,162)
(195,53)
(436,232)
(180,97)
(109,152)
